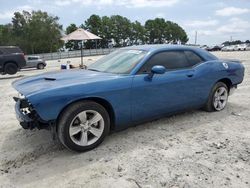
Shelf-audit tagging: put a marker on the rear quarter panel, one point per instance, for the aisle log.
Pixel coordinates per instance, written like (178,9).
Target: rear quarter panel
(211,72)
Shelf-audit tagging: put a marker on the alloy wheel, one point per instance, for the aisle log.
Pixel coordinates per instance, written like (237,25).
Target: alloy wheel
(86,128)
(220,98)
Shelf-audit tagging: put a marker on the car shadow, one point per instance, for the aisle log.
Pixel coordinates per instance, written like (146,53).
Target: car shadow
(11,77)
(30,69)
(36,147)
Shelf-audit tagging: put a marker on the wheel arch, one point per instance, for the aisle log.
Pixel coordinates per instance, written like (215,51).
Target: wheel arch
(226,81)
(40,63)
(100,101)
(10,61)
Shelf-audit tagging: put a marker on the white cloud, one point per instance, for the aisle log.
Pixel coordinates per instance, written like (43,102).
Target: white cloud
(201,23)
(6,15)
(10,13)
(235,25)
(231,11)
(160,15)
(126,3)
(63,2)
(149,3)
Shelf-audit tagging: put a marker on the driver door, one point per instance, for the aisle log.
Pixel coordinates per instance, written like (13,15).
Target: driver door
(164,93)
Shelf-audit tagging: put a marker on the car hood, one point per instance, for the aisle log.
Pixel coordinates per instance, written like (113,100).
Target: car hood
(59,79)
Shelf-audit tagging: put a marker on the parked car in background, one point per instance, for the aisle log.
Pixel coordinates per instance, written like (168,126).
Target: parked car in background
(228,48)
(35,62)
(11,59)
(204,47)
(236,47)
(214,48)
(248,47)
(242,47)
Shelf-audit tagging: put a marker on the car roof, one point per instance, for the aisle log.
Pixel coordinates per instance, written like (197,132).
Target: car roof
(158,47)
(153,47)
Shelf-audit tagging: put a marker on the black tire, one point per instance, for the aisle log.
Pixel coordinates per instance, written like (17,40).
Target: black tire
(209,107)
(10,68)
(67,117)
(40,66)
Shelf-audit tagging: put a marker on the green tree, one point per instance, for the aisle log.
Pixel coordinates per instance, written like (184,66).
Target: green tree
(155,30)
(33,32)
(38,32)
(20,32)
(106,31)
(94,25)
(44,32)
(6,35)
(72,45)
(137,34)
(121,29)
(175,33)
(160,31)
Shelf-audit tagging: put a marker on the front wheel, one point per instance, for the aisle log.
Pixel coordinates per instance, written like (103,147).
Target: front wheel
(10,68)
(83,126)
(218,98)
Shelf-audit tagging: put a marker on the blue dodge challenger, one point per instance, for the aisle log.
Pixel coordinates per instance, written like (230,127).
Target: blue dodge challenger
(127,87)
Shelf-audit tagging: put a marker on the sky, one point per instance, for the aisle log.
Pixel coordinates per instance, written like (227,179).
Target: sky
(214,20)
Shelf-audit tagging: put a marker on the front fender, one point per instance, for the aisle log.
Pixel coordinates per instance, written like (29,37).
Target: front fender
(49,104)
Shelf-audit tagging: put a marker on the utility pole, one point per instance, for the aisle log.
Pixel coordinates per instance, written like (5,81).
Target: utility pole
(195,40)
(231,38)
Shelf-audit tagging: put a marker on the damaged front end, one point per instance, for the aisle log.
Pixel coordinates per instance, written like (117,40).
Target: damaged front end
(27,115)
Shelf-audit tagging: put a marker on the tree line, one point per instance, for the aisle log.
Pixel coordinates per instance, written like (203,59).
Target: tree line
(39,32)
(235,42)
(124,32)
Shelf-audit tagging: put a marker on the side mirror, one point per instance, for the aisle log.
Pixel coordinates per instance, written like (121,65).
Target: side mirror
(157,69)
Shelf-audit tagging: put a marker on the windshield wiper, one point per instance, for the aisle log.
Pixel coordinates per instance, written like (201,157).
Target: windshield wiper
(94,70)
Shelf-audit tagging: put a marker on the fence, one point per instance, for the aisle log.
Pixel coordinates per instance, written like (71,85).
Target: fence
(76,53)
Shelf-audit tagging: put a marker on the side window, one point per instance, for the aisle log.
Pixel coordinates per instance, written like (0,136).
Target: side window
(193,58)
(170,59)
(1,52)
(12,50)
(32,58)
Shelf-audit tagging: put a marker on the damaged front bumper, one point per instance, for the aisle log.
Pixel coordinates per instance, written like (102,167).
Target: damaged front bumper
(27,116)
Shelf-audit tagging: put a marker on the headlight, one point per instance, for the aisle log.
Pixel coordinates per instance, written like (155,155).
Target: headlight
(21,96)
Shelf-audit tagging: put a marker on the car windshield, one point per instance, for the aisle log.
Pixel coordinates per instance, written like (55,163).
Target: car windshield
(119,62)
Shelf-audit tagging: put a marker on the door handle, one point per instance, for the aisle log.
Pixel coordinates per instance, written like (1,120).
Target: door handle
(190,75)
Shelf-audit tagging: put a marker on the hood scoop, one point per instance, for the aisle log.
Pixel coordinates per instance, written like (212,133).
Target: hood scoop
(49,79)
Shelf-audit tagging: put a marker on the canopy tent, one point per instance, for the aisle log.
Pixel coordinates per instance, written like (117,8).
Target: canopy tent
(80,35)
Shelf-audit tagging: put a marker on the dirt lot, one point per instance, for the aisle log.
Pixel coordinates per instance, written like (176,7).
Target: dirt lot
(193,149)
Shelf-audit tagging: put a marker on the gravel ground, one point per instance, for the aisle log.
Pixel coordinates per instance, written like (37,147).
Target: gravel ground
(192,149)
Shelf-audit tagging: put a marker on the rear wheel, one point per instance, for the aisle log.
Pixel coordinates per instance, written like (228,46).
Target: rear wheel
(40,66)
(10,68)
(83,126)
(218,98)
